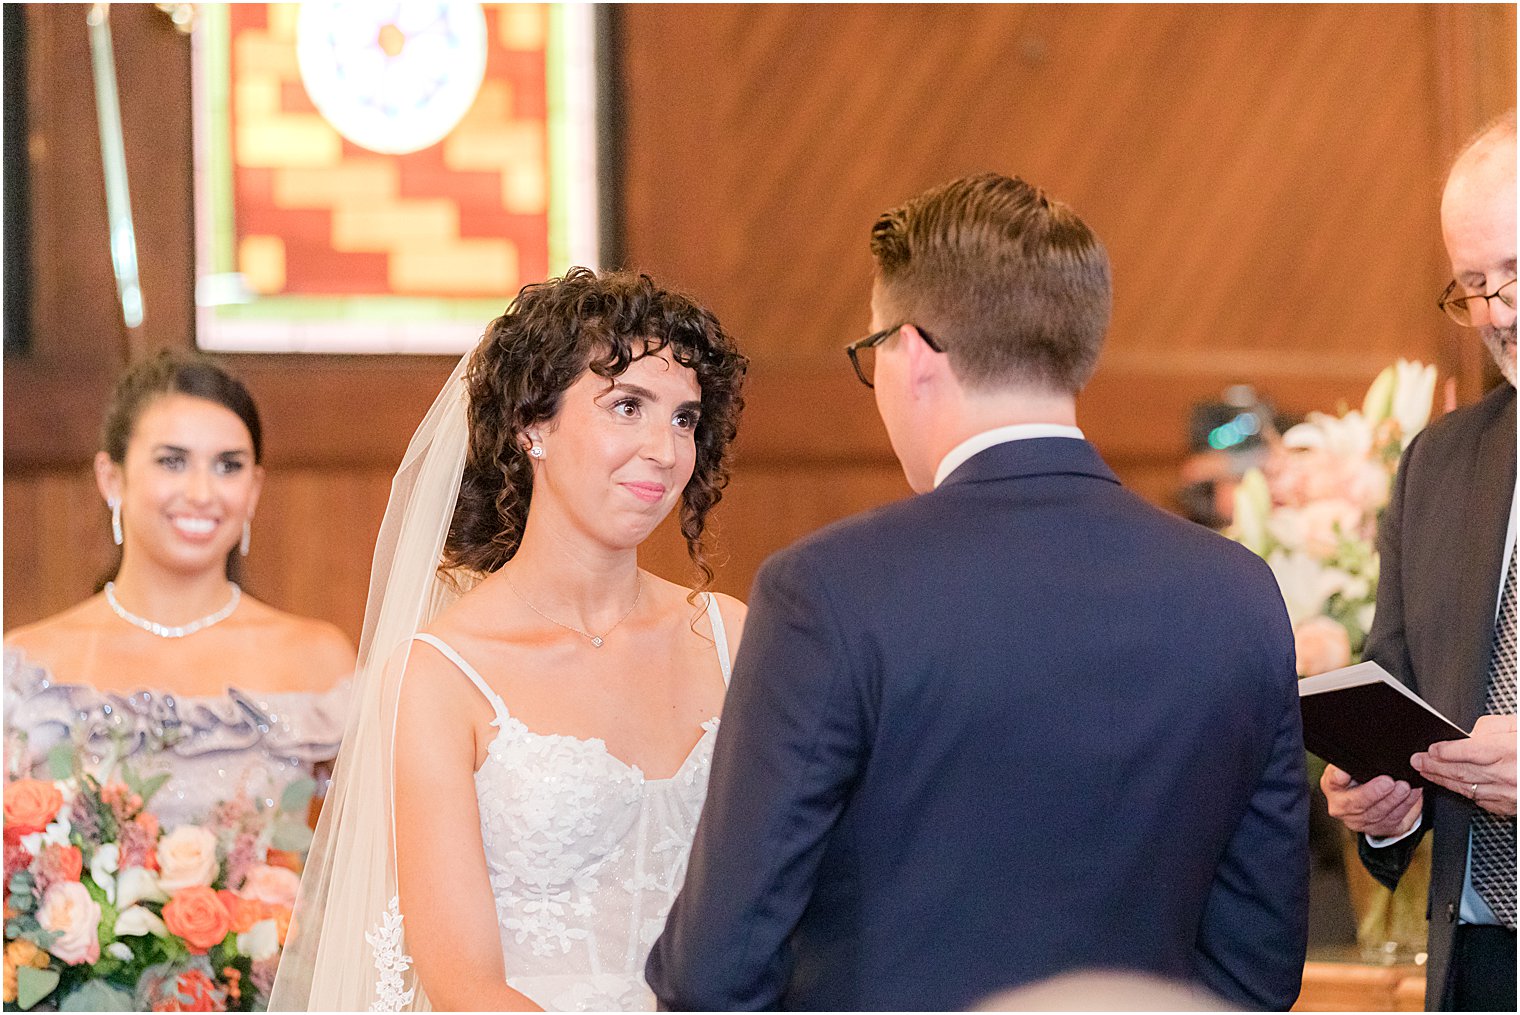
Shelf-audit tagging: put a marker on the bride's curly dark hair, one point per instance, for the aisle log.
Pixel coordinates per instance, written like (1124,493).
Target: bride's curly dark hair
(529,356)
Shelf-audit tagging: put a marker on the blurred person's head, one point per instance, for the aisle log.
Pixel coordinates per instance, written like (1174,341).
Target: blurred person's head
(1106,990)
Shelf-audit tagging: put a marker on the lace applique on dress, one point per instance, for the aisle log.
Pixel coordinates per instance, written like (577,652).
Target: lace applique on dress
(390,962)
(585,856)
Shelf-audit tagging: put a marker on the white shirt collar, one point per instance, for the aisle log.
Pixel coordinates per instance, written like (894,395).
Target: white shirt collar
(1000,435)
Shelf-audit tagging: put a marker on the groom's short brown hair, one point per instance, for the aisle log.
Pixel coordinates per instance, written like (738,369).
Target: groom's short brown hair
(1013,284)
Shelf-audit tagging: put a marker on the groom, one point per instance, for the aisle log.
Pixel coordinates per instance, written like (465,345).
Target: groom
(1019,724)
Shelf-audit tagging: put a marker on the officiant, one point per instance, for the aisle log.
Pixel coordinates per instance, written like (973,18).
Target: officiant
(1445,622)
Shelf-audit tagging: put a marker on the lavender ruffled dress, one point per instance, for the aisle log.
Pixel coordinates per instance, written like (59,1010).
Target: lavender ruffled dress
(215,746)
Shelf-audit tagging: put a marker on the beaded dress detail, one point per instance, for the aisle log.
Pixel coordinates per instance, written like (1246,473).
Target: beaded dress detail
(585,854)
(216,746)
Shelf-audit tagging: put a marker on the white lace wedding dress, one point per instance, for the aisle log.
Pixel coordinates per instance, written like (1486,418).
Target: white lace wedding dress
(585,854)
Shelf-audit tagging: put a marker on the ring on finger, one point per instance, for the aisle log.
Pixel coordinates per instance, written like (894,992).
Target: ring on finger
(1472,790)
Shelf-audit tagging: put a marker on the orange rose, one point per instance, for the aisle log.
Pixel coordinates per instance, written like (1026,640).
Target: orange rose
(59,863)
(31,805)
(247,912)
(198,916)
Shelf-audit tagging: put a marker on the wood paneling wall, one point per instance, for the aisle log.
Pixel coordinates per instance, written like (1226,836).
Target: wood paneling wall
(1266,179)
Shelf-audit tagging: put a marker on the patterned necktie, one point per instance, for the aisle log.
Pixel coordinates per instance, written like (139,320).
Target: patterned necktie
(1493,836)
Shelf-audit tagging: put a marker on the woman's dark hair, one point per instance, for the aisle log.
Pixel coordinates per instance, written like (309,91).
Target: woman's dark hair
(172,372)
(550,335)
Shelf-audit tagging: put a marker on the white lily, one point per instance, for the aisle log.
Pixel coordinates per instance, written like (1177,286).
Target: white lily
(103,868)
(135,920)
(137,884)
(1305,583)
(1378,402)
(1413,394)
(259,942)
(1253,506)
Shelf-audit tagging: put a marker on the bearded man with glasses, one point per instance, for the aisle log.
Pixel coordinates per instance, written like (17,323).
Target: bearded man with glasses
(1445,622)
(1021,723)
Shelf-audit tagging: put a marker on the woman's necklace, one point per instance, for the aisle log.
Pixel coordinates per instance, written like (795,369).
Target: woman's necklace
(595,640)
(164,630)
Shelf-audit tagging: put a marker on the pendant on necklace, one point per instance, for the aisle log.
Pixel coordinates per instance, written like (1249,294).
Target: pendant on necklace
(596,643)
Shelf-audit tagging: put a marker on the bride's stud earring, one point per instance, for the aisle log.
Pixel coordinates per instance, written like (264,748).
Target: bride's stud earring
(247,536)
(536,451)
(115,520)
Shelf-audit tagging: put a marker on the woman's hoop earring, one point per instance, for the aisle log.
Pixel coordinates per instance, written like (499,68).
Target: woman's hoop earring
(115,520)
(247,536)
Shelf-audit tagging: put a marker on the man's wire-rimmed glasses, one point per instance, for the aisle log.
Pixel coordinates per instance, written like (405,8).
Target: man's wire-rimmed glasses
(1474,311)
(863,353)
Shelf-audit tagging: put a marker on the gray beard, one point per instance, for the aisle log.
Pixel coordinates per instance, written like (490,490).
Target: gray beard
(1500,343)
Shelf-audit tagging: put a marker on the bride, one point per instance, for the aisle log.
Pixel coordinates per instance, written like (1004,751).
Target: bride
(517,792)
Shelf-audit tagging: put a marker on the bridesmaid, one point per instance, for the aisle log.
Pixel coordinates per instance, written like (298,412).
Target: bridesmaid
(170,666)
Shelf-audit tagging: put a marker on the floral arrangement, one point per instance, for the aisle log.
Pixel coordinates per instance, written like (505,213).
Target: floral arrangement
(1312,512)
(104,910)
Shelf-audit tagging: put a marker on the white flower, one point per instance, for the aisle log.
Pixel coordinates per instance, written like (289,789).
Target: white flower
(103,866)
(1378,402)
(136,920)
(259,942)
(1253,506)
(137,884)
(1348,436)
(1413,393)
(56,834)
(117,950)
(1306,584)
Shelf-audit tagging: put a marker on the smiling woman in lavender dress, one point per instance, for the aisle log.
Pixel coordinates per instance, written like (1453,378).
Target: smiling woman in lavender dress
(170,667)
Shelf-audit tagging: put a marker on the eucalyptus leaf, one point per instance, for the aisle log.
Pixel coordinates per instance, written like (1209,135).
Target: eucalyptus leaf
(33,984)
(61,760)
(152,786)
(297,796)
(291,836)
(97,995)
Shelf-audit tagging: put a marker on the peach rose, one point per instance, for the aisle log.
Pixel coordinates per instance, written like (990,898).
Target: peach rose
(275,886)
(1322,644)
(198,915)
(68,911)
(186,858)
(31,805)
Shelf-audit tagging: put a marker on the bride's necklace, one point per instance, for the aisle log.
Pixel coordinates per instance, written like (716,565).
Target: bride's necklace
(164,630)
(595,639)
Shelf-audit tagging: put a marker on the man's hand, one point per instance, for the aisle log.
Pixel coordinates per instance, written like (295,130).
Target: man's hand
(1481,768)
(1382,808)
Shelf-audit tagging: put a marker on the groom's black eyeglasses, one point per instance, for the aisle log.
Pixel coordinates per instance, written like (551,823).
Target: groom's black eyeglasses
(863,353)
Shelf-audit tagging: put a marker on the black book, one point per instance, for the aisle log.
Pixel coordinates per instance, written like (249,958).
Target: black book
(1366,723)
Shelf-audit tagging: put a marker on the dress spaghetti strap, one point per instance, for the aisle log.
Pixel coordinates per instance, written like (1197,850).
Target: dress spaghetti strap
(720,636)
(469,671)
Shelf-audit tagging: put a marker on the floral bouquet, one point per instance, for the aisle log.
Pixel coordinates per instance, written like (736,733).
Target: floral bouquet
(1312,513)
(105,911)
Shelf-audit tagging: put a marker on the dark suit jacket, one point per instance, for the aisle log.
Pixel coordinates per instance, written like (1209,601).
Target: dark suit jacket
(1022,724)
(1442,546)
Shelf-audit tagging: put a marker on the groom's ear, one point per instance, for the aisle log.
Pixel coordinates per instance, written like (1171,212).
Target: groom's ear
(926,368)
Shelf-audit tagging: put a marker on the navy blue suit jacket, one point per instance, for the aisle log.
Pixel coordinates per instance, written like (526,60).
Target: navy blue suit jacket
(1022,724)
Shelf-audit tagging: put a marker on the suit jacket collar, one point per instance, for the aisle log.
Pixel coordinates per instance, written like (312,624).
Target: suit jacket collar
(1037,456)
(1485,516)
